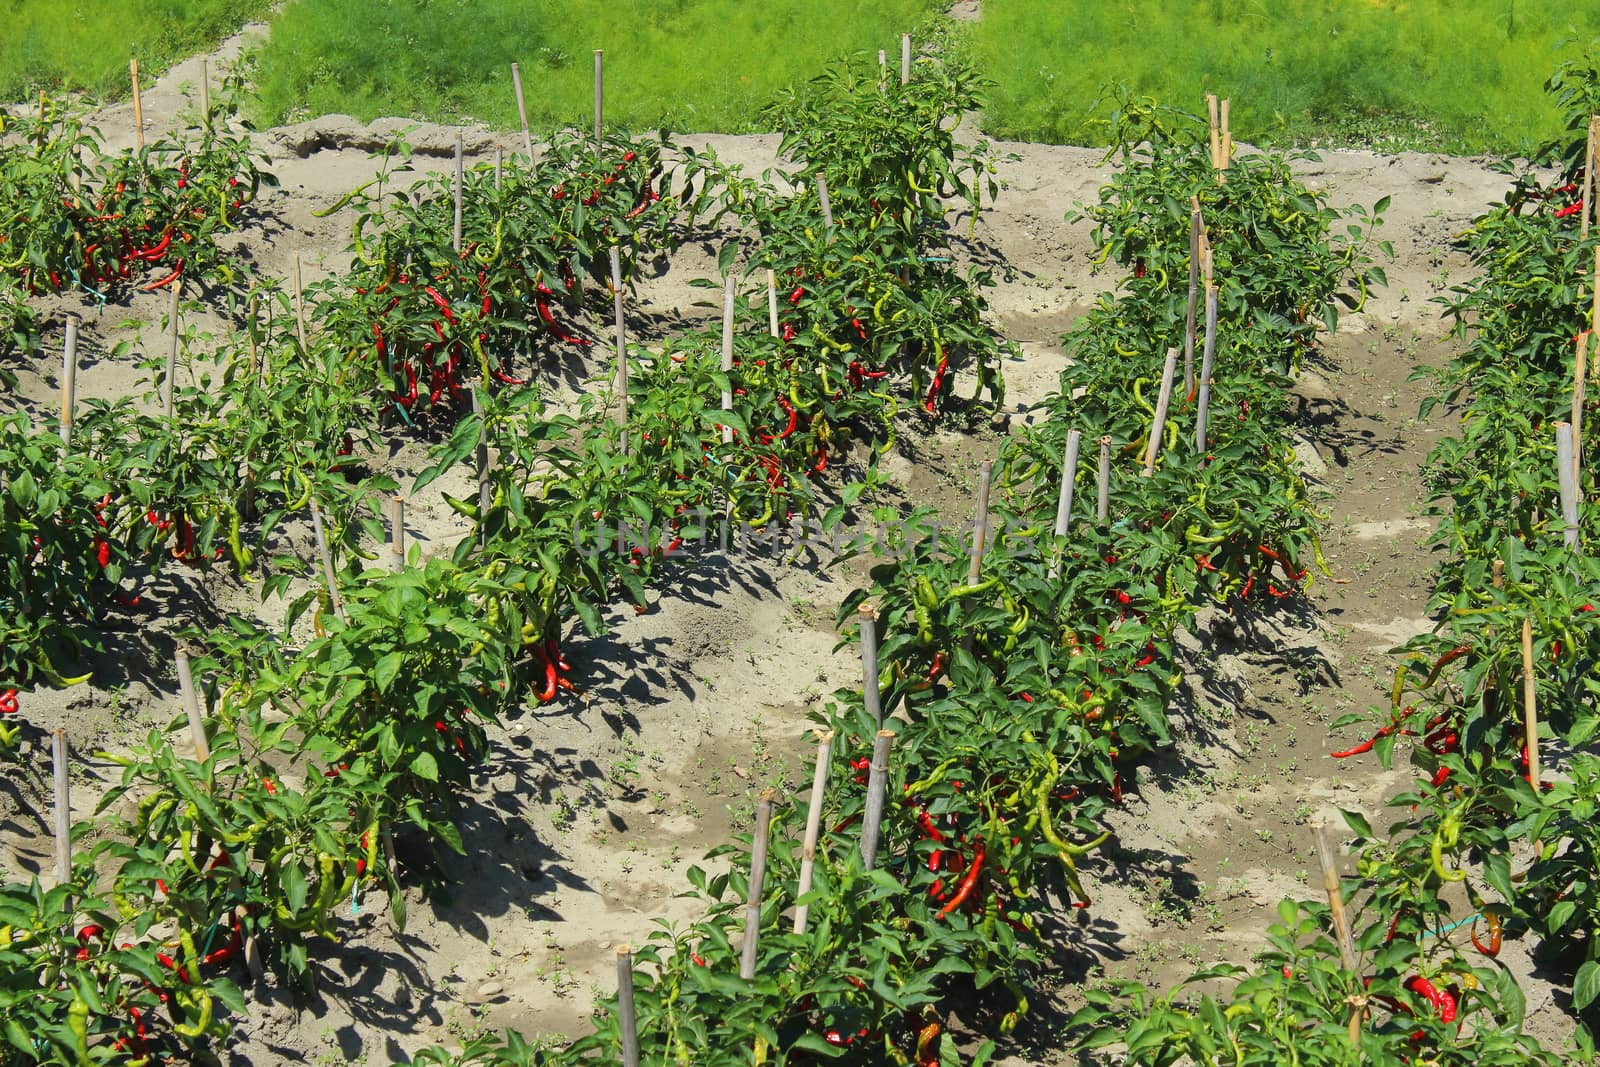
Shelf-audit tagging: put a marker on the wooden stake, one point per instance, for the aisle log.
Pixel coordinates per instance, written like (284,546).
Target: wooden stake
(869,662)
(321,536)
(1163,401)
(1069,478)
(481,457)
(170,386)
(1215,118)
(1594,309)
(397,533)
(727,352)
(822,197)
(772,303)
(627,1015)
(877,783)
(460,179)
(1227,138)
(205,94)
(252,950)
(1567,475)
(191,705)
(905,59)
(522,112)
(621,325)
(1341,921)
(1530,704)
(883,71)
(1499,575)
(499,165)
(299,305)
(1588,179)
(980,524)
(808,850)
(758,875)
(1580,379)
(1102,502)
(138,105)
(1202,412)
(69,381)
(58,753)
(1194,298)
(599,89)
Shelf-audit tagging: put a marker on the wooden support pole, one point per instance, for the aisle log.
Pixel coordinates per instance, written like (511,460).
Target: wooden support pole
(1227,138)
(1163,402)
(499,165)
(599,90)
(1214,119)
(758,875)
(1530,704)
(1203,409)
(1589,160)
(980,524)
(869,662)
(808,849)
(1580,377)
(1341,922)
(772,303)
(397,533)
(328,575)
(877,784)
(905,59)
(822,198)
(1069,478)
(1567,476)
(481,456)
(58,754)
(627,1013)
(169,387)
(205,93)
(138,105)
(460,180)
(883,71)
(522,112)
(1102,502)
(191,705)
(69,381)
(620,323)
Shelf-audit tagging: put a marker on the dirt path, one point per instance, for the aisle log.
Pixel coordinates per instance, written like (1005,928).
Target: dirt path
(585,822)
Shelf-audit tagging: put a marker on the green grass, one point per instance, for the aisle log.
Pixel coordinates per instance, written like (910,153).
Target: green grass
(692,65)
(1457,75)
(86,44)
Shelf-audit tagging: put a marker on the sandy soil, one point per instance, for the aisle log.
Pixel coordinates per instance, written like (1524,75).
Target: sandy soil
(583,824)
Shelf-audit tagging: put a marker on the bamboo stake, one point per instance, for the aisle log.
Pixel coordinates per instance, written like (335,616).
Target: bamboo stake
(905,59)
(1341,922)
(627,1015)
(191,705)
(1163,401)
(1567,475)
(1227,139)
(869,662)
(1202,414)
(1069,478)
(169,387)
(1499,574)
(599,89)
(481,457)
(58,753)
(822,197)
(758,875)
(772,303)
(522,111)
(1530,704)
(883,71)
(621,324)
(138,105)
(1588,179)
(980,524)
(334,598)
(877,783)
(499,165)
(1580,376)
(1194,298)
(727,353)
(808,851)
(69,381)
(460,179)
(1102,503)
(299,305)
(1214,117)
(205,93)
(1594,309)
(397,533)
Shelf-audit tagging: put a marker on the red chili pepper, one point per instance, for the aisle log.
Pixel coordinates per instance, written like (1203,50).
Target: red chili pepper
(440,302)
(1366,746)
(548,693)
(1492,949)
(102,553)
(794,416)
(552,652)
(932,399)
(162,283)
(1570,210)
(964,890)
(8,702)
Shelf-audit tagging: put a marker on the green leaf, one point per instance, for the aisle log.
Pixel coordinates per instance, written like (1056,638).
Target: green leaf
(1355,820)
(1586,985)
(388,666)
(423,765)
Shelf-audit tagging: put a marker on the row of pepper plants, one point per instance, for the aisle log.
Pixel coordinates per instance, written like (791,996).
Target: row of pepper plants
(361,715)
(1478,853)
(1024,698)
(78,218)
